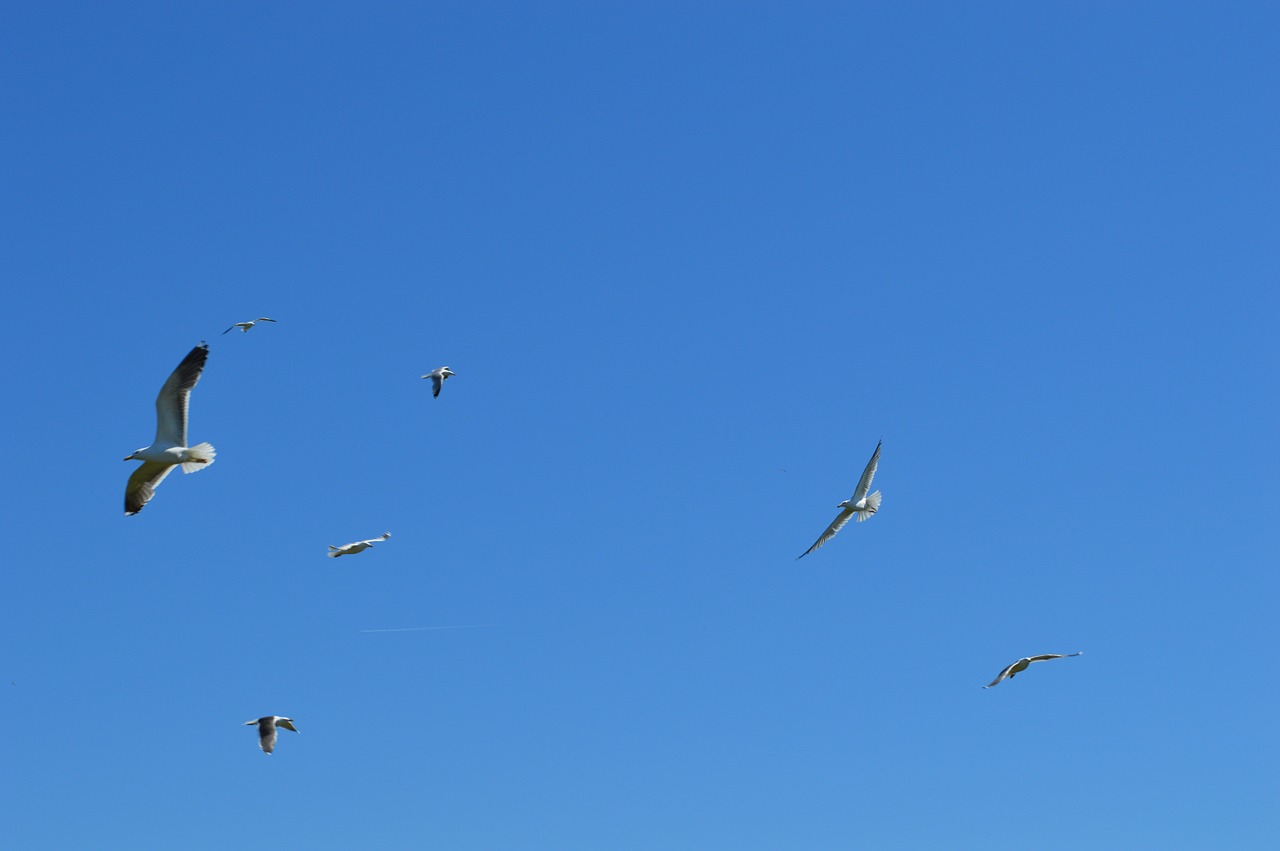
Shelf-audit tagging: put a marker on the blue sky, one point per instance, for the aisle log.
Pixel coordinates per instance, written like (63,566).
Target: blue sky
(690,263)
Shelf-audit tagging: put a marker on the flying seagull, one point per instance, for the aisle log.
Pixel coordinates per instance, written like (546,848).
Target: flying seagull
(859,505)
(437,377)
(245,326)
(1021,665)
(356,546)
(267,725)
(169,449)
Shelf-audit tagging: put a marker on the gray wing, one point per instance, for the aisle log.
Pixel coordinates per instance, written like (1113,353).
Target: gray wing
(1044,657)
(229,330)
(864,484)
(836,525)
(436,383)
(143,483)
(175,397)
(1003,674)
(263,319)
(267,736)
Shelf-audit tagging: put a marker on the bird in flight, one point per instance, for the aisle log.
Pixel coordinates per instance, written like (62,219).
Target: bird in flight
(356,546)
(437,377)
(860,505)
(267,725)
(1022,664)
(169,449)
(245,326)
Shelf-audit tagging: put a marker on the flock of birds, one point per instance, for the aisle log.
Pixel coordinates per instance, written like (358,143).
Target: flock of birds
(170,449)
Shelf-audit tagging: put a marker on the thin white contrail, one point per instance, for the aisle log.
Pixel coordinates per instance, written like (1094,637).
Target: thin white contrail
(421,628)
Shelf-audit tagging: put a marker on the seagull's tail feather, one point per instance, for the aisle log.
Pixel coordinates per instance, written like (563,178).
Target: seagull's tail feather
(202,455)
(873,505)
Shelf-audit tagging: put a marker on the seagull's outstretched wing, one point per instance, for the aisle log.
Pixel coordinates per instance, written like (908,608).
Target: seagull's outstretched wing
(864,484)
(175,397)
(232,328)
(1045,657)
(1003,674)
(264,319)
(143,483)
(836,525)
(437,381)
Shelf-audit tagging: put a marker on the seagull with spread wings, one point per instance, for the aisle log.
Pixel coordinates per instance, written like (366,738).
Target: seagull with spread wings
(859,506)
(1022,664)
(356,547)
(267,725)
(437,377)
(245,326)
(169,449)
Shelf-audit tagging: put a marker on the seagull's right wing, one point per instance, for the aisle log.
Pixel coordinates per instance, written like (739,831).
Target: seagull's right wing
(436,383)
(229,330)
(864,484)
(143,483)
(836,525)
(175,397)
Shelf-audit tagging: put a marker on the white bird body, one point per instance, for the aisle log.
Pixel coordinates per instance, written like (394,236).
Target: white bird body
(1025,662)
(169,449)
(267,725)
(858,507)
(245,326)
(437,377)
(356,546)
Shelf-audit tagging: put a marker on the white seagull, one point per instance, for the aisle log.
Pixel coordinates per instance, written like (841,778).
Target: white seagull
(169,449)
(245,326)
(437,377)
(267,725)
(860,505)
(1021,665)
(356,546)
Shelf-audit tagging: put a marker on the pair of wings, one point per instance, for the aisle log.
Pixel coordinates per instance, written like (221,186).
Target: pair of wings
(247,325)
(172,406)
(1044,657)
(864,485)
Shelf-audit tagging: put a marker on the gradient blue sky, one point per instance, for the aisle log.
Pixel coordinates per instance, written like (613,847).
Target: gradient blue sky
(690,262)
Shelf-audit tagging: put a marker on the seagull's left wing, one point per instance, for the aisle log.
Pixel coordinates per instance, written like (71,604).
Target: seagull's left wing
(836,525)
(864,484)
(1003,674)
(175,397)
(436,383)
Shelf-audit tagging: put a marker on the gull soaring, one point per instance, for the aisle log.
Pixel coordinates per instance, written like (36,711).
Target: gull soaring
(356,547)
(860,505)
(437,377)
(245,326)
(267,725)
(169,449)
(1022,664)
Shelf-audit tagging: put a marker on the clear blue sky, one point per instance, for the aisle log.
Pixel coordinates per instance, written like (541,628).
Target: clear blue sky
(690,262)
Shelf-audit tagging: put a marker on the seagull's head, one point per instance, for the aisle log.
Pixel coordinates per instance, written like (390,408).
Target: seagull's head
(134,456)
(446,372)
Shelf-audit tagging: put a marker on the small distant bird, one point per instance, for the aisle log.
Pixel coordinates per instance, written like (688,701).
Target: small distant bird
(245,326)
(1021,665)
(169,449)
(859,505)
(356,547)
(267,725)
(437,377)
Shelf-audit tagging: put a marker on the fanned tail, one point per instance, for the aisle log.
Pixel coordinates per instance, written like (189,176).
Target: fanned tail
(202,455)
(873,505)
